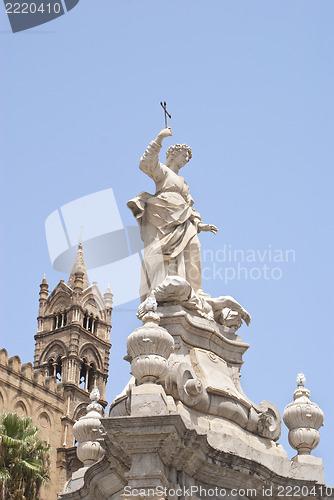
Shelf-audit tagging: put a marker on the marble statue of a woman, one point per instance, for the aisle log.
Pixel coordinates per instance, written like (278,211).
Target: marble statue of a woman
(167,220)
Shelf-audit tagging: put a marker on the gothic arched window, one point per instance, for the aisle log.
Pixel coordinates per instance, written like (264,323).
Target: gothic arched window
(59,320)
(87,375)
(58,369)
(92,377)
(83,374)
(50,368)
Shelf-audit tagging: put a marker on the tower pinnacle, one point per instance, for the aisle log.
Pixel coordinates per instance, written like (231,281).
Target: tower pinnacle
(108,298)
(78,267)
(44,291)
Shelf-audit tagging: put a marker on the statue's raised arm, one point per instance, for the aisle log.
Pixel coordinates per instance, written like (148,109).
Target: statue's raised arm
(149,162)
(167,220)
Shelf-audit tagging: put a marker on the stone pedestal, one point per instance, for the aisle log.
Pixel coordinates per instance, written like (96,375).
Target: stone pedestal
(148,399)
(161,453)
(193,429)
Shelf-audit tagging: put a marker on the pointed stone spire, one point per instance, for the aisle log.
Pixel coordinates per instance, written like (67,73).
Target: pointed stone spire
(108,298)
(78,270)
(44,292)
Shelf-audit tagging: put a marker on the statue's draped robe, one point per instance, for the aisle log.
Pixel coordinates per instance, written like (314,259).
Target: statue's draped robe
(168,226)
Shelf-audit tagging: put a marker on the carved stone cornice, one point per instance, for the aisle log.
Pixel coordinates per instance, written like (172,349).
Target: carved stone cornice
(200,332)
(180,448)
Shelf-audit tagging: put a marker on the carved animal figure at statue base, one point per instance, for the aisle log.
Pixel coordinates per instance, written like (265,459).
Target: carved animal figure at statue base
(223,310)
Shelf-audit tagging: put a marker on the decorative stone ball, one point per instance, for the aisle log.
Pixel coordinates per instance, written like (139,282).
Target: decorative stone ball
(87,427)
(90,452)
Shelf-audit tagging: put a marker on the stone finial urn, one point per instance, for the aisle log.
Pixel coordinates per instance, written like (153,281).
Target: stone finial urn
(87,430)
(303,419)
(149,346)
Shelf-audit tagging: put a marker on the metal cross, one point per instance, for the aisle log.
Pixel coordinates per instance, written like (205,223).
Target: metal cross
(163,105)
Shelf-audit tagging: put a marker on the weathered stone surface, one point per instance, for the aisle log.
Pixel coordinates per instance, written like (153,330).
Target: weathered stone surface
(167,451)
(204,372)
(148,399)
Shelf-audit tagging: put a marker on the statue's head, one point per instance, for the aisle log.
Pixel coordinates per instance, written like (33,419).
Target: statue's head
(178,155)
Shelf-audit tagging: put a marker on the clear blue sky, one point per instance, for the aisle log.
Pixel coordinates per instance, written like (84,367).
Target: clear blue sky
(250,86)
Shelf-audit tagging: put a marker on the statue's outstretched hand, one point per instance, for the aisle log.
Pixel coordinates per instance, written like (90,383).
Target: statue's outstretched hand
(207,227)
(166,132)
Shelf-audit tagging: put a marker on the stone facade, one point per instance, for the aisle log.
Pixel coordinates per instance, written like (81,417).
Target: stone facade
(71,358)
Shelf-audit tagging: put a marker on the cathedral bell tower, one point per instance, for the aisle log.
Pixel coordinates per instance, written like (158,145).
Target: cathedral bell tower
(73,336)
